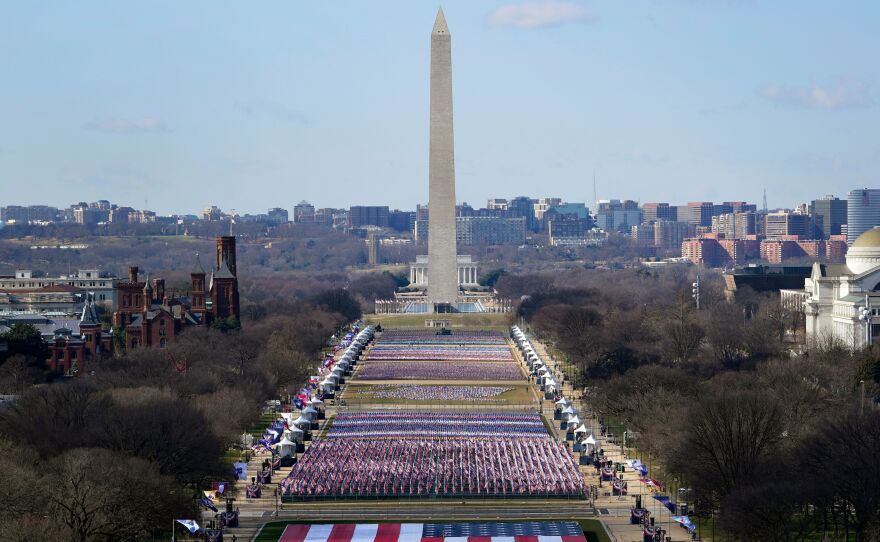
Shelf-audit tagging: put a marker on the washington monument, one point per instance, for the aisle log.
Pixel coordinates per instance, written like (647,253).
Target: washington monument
(442,261)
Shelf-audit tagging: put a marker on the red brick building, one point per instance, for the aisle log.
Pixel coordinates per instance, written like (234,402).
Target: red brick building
(149,317)
(826,251)
(71,354)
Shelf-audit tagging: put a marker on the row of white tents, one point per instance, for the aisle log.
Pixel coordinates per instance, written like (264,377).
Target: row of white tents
(568,412)
(346,364)
(300,424)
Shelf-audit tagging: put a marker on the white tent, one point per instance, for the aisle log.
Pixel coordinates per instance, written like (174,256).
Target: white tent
(590,440)
(581,429)
(574,420)
(301,421)
(562,402)
(310,413)
(295,434)
(286,447)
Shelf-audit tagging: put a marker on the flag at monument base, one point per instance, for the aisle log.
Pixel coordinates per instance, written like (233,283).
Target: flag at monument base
(190,525)
(435,532)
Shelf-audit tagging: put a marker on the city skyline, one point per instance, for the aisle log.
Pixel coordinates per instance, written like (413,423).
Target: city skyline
(547,93)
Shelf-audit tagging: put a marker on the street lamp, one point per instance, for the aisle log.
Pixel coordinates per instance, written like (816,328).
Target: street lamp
(866,315)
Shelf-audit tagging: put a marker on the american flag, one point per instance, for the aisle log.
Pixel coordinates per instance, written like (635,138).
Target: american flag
(435,532)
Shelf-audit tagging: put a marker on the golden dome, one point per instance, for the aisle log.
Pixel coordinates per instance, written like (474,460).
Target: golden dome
(869,239)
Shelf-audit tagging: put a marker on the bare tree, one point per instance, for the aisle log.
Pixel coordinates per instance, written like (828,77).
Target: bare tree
(849,445)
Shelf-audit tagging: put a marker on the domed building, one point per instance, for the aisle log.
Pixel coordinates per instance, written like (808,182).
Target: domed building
(835,294)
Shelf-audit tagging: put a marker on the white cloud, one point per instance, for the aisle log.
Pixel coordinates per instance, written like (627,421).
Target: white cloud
(842,93)
(540,14)
(272,109)
(126,126)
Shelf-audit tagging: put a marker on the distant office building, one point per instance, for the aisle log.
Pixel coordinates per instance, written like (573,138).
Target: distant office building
(277,215)
(498,204)
(324,216)
(141,217)
(642,234)
(479,230)
(543,205)
(465,209)
(303,213)
(89,217)
(652,212)
(401,221)
(420,231)
(523,207)
(616,215)
(828,215)
(363,215)
(721,209)
(741,207)
(30,214)
(784,224)
(697,213)
(212,213)
(862,212)
(568,210)
(26,292)
(119,215)
(566,230)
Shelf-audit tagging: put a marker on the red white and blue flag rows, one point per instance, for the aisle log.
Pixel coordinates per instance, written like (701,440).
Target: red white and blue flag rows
(435,532)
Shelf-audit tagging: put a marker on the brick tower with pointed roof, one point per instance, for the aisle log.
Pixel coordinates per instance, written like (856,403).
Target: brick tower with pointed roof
(197,294)
(224,283)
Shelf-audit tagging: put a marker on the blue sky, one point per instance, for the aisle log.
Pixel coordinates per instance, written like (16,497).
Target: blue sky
(251,105)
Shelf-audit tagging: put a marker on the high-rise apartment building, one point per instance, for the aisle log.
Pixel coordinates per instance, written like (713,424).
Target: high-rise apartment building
(669,234)
(862,212)
(735,225)
(303,213)
(363,215)
(490,230)
(828,215)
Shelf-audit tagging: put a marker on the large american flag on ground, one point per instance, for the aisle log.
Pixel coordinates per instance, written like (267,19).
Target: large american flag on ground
(435,532)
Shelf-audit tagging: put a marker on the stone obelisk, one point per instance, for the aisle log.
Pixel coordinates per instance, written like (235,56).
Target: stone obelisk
(442,261)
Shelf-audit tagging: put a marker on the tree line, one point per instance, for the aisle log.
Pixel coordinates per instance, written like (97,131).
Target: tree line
(119,453)
(775,439)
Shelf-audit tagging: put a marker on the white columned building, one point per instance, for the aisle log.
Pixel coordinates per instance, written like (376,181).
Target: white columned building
(467,272)
(834,295)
